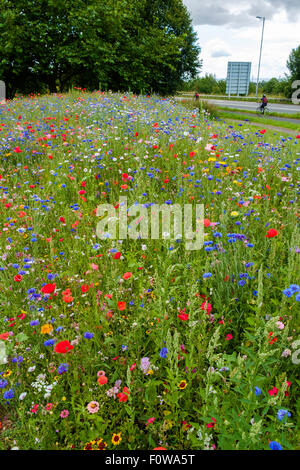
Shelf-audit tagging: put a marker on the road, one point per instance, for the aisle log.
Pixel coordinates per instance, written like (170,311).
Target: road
(273,107)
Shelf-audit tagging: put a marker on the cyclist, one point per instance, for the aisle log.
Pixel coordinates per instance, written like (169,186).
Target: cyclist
(264,102)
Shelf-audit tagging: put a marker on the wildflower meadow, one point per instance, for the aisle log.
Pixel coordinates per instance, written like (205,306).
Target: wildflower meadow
(137,344)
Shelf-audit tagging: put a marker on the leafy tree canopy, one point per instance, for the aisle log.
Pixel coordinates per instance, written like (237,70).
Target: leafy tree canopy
(141,45)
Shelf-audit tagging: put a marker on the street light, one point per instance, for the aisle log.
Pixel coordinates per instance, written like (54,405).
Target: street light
(262,36)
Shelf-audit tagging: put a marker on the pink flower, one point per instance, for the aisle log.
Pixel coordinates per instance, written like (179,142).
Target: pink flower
(229,337)
(35,409)
(64,414)
(100,372)
(280,325)
(150,420)
(93,407)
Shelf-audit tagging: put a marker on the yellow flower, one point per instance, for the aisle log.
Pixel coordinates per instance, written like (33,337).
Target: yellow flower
(101,444)
(182,385)
(7,373)
(46,329)
(116,439)
(234,214)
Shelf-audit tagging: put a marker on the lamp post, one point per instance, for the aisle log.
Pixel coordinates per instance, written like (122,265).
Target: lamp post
(261,42)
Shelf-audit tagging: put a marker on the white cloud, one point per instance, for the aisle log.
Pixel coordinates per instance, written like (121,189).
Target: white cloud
(281,35)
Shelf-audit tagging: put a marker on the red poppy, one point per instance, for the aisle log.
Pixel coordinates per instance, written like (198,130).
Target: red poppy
(4,336)
(183,316)
(123,396)
(229,337)
(206,307)
(121,306)
(127,276)
(18,278)
(117,255)
(271,233)
(84,288)
(48,288)
(63,347)
(273,391)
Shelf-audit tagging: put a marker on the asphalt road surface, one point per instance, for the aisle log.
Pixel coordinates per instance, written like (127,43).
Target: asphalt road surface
(272,107)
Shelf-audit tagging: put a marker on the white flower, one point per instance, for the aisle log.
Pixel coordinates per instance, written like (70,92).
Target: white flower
(22,396)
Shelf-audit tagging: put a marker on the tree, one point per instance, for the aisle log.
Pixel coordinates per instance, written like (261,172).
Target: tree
(120,44)
(293,64)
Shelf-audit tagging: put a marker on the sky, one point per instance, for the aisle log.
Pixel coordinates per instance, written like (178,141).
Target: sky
(228,30)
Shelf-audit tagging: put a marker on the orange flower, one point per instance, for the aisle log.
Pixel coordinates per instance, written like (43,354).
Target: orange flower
(102,380)
(46,329)
(67,296)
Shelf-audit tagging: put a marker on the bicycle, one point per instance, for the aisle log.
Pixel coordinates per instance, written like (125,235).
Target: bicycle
(262,112)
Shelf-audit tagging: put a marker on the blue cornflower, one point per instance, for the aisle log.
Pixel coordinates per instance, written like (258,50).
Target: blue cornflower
(294,288)
(257,391)
(49,342)
(275,446)
(17,359)
(297,297)
(88,335)
(282,413)
(163,353)
(287,292)
(3,383)
(206,275)
(9,394)
(62,368)
(34,322)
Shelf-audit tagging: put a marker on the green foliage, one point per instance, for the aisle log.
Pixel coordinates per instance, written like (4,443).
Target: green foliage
(119,45)
(293,64)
